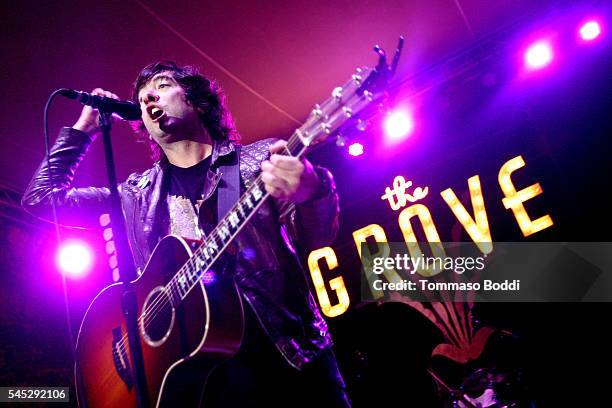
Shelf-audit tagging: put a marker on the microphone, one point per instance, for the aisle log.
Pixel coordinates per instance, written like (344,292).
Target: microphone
(125,109)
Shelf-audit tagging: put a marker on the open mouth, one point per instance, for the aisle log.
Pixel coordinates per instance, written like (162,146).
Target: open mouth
(155,113)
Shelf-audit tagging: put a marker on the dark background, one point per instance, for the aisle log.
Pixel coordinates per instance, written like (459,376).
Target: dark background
(474,112)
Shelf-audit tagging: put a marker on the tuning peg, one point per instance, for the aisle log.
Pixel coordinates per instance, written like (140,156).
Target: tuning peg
(326,128)
(398,52)
(382,56)
(361,125)
(382,61)
(337,93)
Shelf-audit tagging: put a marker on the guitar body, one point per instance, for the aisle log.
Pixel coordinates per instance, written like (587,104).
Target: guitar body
(199,331)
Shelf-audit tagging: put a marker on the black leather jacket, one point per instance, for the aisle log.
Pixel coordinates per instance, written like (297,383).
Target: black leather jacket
(271,280)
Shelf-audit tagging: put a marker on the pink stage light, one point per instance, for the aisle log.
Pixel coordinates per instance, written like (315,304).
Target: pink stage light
(74,259)
(355,149)
(590,30)
(398,125)
(538,55)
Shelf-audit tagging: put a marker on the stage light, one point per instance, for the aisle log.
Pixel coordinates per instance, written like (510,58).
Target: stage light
(538,55)
(590,30)
(355,149)
(74,259)
(398,125)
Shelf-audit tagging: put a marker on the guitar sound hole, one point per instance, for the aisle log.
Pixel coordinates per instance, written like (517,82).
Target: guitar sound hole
(158,318)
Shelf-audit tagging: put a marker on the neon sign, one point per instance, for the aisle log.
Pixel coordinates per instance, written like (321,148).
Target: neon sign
(401,197)
(475,223)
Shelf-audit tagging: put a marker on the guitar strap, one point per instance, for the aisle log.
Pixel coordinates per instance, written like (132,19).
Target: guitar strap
(228,191)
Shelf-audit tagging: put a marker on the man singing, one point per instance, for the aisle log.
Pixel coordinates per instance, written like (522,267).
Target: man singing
(286,349)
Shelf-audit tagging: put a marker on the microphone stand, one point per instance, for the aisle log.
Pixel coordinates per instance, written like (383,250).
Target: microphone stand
(127,269)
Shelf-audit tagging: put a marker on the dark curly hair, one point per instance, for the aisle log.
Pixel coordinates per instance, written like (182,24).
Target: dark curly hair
(202,92)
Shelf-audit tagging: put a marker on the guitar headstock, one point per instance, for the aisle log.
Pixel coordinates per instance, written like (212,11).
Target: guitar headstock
(364,91)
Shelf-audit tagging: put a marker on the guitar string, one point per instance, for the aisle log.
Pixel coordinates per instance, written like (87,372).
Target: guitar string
(150,313)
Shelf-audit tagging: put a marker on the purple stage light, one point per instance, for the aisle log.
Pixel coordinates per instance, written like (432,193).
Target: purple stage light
(398,125)
(74,259)
(355,149)
(590,30)
(538,55)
